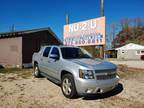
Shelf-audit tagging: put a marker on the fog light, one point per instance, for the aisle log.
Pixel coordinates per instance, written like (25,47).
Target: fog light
(89,91)
(101,91)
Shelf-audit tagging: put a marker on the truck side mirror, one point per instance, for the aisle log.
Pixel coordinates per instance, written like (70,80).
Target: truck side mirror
(54,56)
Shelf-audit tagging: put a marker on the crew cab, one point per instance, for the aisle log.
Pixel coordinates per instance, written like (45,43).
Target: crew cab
(75,70)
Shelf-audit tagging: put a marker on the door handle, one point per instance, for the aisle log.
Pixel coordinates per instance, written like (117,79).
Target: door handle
(49,61)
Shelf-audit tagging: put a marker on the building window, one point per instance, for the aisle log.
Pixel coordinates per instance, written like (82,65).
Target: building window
(139,52)
(142,52)
(122,51)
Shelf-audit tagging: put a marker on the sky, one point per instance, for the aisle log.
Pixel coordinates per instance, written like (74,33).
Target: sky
(33,14)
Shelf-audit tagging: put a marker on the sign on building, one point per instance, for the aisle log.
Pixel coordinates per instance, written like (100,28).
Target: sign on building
(90,32)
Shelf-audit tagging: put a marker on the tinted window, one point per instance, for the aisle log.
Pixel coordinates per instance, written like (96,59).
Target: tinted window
(55,51)
(73,53)
(46,52)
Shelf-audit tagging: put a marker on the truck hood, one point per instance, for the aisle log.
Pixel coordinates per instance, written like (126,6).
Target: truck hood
(95,64)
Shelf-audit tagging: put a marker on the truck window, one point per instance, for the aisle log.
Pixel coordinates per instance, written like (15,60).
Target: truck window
(74,53)
(55,51)
(46,51)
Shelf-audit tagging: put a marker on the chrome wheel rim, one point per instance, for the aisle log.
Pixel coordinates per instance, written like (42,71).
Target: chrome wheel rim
(66,86)
(36,71)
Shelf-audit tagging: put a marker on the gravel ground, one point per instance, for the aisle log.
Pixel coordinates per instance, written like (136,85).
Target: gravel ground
(129,63)
(24,91)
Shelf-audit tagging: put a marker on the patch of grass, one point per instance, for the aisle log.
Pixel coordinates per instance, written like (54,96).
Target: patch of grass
(24,73)
(126,72)
(10,70)
(122,68)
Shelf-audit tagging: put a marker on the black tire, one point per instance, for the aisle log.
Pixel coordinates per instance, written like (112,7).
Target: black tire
(36,72)
(68,90)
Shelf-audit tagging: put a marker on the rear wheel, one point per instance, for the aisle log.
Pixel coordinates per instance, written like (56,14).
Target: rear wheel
(36,72)
(68,86)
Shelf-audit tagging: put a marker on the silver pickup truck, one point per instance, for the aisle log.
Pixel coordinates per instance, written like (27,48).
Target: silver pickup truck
(75,70)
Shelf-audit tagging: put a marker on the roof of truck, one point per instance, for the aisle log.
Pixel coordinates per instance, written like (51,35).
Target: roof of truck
(60,46)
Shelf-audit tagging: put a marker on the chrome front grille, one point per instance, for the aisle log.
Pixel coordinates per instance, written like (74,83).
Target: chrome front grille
(105,71)
(106,76)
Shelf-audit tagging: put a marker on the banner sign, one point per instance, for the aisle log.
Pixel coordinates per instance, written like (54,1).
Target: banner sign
(90,32)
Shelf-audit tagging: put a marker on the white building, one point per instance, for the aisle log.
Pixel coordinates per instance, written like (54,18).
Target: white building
(130,51)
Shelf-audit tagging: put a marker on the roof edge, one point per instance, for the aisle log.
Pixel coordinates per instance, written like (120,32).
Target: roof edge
(9,34)
(25,31)
(50,30)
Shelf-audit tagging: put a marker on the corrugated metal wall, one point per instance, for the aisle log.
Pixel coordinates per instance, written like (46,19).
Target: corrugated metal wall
(32,43)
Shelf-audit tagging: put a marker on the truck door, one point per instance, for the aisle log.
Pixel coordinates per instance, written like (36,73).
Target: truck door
(44,61)
(54,63)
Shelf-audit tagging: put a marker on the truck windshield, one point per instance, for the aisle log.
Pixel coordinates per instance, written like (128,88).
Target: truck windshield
(74,53)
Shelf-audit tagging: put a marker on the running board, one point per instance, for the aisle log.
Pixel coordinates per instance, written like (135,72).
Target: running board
(50,78)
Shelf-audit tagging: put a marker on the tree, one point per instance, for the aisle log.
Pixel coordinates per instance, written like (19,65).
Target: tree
(125,23)
(138,22)
(132,30)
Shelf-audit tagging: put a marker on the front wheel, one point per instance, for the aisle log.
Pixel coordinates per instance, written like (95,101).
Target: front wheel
(36,72)
(68,86)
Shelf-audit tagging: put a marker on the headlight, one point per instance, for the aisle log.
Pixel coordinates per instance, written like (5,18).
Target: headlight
(86,74)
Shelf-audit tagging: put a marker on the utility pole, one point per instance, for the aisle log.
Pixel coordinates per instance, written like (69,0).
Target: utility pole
(102,46)
(102,7)
(67,19)
(12,28)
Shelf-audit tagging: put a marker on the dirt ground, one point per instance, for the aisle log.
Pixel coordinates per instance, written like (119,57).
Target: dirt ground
(19,89)
(129,63)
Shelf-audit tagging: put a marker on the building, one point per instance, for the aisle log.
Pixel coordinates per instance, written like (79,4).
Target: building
(17,48)
(130,51)
(110,53)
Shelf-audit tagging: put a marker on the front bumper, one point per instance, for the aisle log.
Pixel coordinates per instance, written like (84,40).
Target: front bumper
(93,86)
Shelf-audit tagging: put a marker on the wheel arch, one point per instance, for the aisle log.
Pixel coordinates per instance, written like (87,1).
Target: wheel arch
(74,89)
(35,63)
(63,72)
